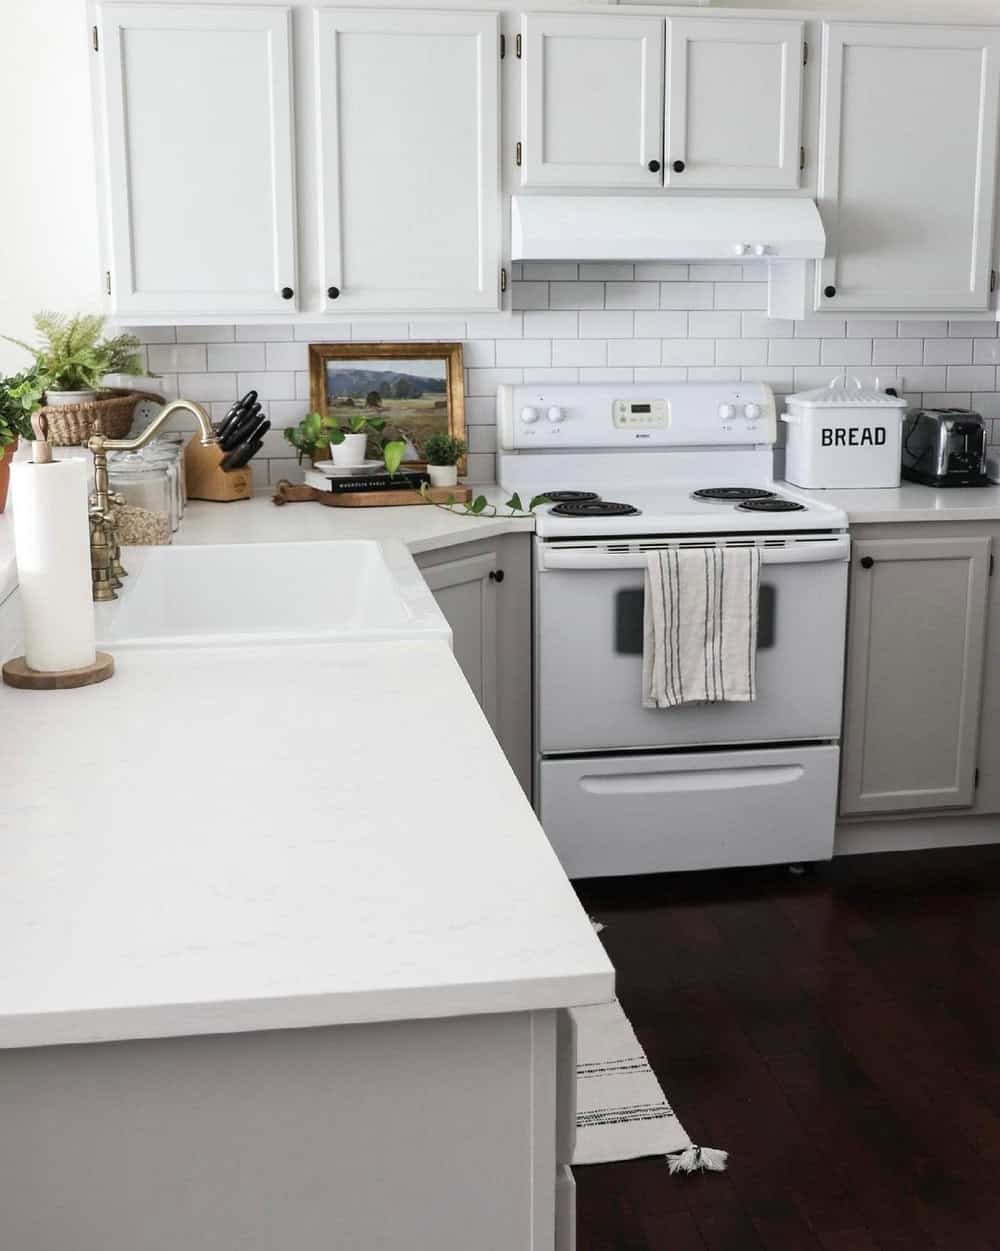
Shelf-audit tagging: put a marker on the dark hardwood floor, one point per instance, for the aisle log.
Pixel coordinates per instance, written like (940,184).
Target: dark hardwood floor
(838,1034)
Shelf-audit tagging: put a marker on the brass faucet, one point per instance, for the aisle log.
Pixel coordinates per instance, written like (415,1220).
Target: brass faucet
(105,563)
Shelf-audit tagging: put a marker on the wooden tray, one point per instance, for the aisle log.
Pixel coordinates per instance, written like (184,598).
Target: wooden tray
(291,493)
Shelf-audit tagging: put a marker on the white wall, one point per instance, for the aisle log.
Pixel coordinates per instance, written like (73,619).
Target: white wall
(48,213)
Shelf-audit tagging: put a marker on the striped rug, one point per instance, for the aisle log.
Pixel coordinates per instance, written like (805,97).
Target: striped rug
(621,1110)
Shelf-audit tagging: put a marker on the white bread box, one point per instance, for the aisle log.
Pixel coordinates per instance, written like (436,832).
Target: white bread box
(843,435)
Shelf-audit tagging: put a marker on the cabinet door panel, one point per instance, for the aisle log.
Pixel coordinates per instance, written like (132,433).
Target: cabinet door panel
(464,592)
(907,166)
(200,170)
(915,650)
(409,139)
(592,91)
(734,98)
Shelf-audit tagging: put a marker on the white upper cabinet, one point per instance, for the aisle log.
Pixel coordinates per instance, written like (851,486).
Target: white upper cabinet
(408,134)
(907,166)
(199,171)
(733,103)
(592,100)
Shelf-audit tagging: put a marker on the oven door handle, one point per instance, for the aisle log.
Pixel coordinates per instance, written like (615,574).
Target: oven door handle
(806,553)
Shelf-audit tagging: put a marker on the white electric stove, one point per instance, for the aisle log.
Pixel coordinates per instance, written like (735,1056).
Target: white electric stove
(629,468)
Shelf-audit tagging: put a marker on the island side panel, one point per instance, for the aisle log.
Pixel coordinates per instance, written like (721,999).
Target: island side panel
(389,1137)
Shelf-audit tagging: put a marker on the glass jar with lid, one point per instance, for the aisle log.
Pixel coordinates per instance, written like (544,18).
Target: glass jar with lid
(145,484)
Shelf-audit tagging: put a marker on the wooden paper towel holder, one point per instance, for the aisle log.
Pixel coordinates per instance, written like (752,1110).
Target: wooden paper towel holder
(18,673)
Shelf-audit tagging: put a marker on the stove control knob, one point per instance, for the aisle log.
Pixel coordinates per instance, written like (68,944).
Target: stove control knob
(727,411)
(741,249)
(760,249)
(555,413)
(529,415)
(751,412)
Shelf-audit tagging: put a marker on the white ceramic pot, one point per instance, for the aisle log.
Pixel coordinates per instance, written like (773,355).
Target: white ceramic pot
(62,399)
(350,452)
(443,475)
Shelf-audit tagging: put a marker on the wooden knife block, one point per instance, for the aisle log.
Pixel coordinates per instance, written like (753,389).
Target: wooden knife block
(207,481)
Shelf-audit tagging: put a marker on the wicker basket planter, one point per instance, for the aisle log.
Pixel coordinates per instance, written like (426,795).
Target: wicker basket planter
(71,425)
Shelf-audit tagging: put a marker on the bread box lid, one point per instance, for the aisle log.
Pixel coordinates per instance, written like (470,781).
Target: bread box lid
(845,393)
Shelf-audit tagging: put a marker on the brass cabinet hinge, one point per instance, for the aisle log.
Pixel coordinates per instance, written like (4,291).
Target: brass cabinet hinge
(805,53)
(517,46)
(802,158)
(517,152)
(503,280)
(107,281)
(503,46)
(95,39)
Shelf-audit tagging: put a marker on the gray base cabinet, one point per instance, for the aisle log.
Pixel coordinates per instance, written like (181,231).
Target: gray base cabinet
(484,591)
(920,717)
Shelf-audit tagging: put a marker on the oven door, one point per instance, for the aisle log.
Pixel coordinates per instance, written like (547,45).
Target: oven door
(588,649)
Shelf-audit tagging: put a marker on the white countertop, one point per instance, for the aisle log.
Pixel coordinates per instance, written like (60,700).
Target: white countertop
(272,837)
(422,527)
(913,502)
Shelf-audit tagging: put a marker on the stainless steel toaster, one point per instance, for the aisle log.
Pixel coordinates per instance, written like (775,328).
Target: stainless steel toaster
(944,447)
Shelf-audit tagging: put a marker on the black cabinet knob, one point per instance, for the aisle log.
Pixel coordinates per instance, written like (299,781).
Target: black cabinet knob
(867,562)
(653,167)
(678,167)
(333,292)
(287,293)
(829,292)
(496,575)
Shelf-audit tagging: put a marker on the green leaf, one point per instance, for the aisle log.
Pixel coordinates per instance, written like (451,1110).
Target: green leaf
(536,500)
(477,505)
(337,436)
(392,454)
(515,503)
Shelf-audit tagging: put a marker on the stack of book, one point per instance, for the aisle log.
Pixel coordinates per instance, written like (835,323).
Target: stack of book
(404,479)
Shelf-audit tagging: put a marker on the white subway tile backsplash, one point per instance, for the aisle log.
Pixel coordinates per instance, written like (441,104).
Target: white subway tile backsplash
(187,358)
(607,325)
(631,295)
(634,352)
(596,321)
(235,356)
(576,295)
(550,324)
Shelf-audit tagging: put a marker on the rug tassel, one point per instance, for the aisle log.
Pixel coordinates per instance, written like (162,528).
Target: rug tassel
(698,1160)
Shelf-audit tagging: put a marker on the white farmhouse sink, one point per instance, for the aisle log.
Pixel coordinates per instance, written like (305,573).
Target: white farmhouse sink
(255,592)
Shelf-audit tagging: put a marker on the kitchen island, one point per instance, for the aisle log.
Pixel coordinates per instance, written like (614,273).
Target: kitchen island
(287,957)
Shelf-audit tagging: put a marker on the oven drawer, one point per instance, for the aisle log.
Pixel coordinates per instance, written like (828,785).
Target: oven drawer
(657,813)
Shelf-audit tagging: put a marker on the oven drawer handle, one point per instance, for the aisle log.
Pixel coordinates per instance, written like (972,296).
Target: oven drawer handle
(794,554)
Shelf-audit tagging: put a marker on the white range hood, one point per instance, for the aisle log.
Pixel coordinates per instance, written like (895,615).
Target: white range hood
(785,232)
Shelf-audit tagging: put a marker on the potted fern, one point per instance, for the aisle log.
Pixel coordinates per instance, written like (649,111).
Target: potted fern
(72,358)
(442,453)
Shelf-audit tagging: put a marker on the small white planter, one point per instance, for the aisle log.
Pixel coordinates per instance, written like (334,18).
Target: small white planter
(443,475)
(351,452)
(63,399)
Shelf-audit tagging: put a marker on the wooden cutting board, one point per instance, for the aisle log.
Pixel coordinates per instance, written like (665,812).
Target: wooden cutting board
(293,493)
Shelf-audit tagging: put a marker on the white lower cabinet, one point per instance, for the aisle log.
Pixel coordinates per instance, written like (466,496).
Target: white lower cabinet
(197,149)
(907,175)
(916,644)
(408,134)
(484,590)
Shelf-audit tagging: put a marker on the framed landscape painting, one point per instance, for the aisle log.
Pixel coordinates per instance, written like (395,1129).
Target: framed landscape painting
(418,388)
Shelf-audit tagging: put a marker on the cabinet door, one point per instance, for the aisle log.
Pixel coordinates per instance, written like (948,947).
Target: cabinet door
(409,142)
(734,101)
(464,590)
(908,136)
(592,100)
(199,167)
(915,648)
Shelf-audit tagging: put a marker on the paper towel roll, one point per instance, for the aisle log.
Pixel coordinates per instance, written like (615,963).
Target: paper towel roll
(52,546)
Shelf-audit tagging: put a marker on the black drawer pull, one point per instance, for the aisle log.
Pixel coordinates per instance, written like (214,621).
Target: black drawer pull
(287,293)
(496,575)
(867,562)
(333,292)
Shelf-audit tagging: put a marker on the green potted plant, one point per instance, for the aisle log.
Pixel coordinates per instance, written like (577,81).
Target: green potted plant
(15,423)
(349,438)
(315,434)
(310,437)
(72,358)
(442,453)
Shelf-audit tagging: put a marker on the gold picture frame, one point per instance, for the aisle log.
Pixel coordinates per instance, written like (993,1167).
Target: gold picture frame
(344,376)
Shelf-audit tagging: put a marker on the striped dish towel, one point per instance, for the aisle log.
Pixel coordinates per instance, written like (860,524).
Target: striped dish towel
(700,626)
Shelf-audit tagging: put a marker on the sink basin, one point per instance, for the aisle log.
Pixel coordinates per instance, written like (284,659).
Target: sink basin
(255,592)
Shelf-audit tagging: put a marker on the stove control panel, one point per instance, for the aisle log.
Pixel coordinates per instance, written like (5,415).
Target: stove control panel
(641,414)
(570,416)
